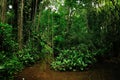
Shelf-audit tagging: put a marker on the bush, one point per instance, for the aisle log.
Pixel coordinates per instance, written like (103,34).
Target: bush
(73,60)
(26,57)
(13,65)
(7,44)
(9,64)
(9,67)
(2,57)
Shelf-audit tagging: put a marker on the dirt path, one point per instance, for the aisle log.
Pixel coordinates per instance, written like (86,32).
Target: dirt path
(43,72)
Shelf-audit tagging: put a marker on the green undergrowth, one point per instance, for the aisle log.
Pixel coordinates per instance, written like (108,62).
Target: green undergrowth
(13,60)
(73,60)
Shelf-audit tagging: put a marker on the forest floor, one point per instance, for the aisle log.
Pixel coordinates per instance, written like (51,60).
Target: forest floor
(41,71)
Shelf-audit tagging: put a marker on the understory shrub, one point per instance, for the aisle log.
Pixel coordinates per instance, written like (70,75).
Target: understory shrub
(13,65)
(9,67)
(7,44)
(9,64)
(72,60)
(26,57)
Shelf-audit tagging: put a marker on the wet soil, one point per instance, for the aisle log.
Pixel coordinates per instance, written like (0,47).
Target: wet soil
(41,71)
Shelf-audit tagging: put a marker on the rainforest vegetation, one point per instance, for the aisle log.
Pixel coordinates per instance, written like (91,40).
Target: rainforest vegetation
(71,35)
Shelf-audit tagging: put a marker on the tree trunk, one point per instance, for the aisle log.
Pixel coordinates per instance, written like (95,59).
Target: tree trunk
(3,4)
(20,24)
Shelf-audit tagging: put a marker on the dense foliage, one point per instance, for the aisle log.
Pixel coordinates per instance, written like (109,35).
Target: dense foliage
(73,60)
(72,35)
